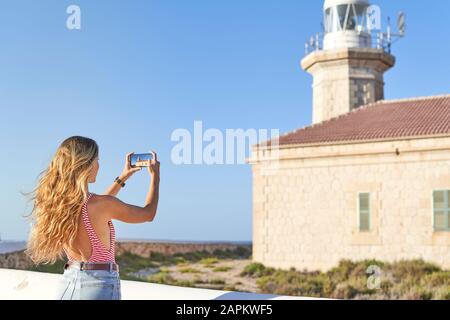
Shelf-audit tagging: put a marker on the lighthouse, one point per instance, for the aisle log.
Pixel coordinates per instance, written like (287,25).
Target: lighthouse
(347,62)
(369,181)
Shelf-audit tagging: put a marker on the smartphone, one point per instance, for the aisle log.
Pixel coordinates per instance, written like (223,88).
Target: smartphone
(140,160)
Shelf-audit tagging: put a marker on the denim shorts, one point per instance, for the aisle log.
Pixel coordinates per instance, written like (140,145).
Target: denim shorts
(78,284)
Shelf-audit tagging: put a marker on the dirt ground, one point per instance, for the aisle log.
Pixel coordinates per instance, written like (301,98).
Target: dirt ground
(207,275)
(204,275)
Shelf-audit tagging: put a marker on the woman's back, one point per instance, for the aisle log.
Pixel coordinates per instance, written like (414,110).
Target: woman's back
(95,240)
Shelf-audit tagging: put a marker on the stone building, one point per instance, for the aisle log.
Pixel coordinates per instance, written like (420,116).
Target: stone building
(369,179)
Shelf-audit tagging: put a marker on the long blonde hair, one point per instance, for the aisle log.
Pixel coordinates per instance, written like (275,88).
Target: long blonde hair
(58,199)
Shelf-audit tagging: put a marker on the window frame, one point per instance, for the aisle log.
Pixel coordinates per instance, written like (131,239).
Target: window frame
(445,210)
(368,212)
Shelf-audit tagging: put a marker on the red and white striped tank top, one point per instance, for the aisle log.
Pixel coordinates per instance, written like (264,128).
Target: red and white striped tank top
(99,252)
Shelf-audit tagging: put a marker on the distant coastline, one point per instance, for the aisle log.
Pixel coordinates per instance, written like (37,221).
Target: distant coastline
(7,246)
(183,241)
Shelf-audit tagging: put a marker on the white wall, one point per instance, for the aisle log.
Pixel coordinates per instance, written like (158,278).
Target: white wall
(28,285)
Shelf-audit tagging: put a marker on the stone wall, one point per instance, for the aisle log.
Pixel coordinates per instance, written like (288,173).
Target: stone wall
(305,212)
(345,79)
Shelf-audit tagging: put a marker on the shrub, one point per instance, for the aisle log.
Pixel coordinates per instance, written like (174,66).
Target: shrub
(413,279)
(189,270)
(256,269)
(208,262)
(222,269)
(130,262)
(162,278)
(216,281)
(412,268)
(57,267)
(183,283)
(240,252)
(229,288)
(179,260)
(441,278)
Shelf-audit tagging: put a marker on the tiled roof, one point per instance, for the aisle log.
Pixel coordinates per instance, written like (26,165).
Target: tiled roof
(394,119)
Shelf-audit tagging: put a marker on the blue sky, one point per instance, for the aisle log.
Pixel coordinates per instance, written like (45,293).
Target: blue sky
(138,70)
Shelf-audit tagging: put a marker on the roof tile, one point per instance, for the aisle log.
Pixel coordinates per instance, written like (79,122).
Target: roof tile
(394,119)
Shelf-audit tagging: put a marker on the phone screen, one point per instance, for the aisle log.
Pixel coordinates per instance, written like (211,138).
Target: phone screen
(140,160)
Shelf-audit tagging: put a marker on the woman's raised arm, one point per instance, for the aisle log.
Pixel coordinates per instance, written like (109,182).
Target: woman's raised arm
(119,210)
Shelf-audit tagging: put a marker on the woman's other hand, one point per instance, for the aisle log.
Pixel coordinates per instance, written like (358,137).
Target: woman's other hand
(127,169)
(153,167)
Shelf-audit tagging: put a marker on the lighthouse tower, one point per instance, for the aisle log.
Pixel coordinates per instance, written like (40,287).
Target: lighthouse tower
(348,63)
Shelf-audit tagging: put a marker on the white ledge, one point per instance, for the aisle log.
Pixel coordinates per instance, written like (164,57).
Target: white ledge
(29,285)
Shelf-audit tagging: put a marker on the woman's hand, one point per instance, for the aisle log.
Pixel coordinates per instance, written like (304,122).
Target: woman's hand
(153,167)
(127,169)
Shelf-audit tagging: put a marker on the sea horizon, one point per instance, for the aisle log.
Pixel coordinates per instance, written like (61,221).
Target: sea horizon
(7,246)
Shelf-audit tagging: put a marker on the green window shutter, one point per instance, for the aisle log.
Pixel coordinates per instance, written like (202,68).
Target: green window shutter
(441,210)
(364,211)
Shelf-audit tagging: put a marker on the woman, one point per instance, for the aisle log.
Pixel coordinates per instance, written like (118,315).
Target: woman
(68,218)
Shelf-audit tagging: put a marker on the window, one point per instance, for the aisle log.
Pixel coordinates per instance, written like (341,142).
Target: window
(360,12)
(345,17)
(331,20)
(441,210)
(342,12)
(328,20)
(364,211)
